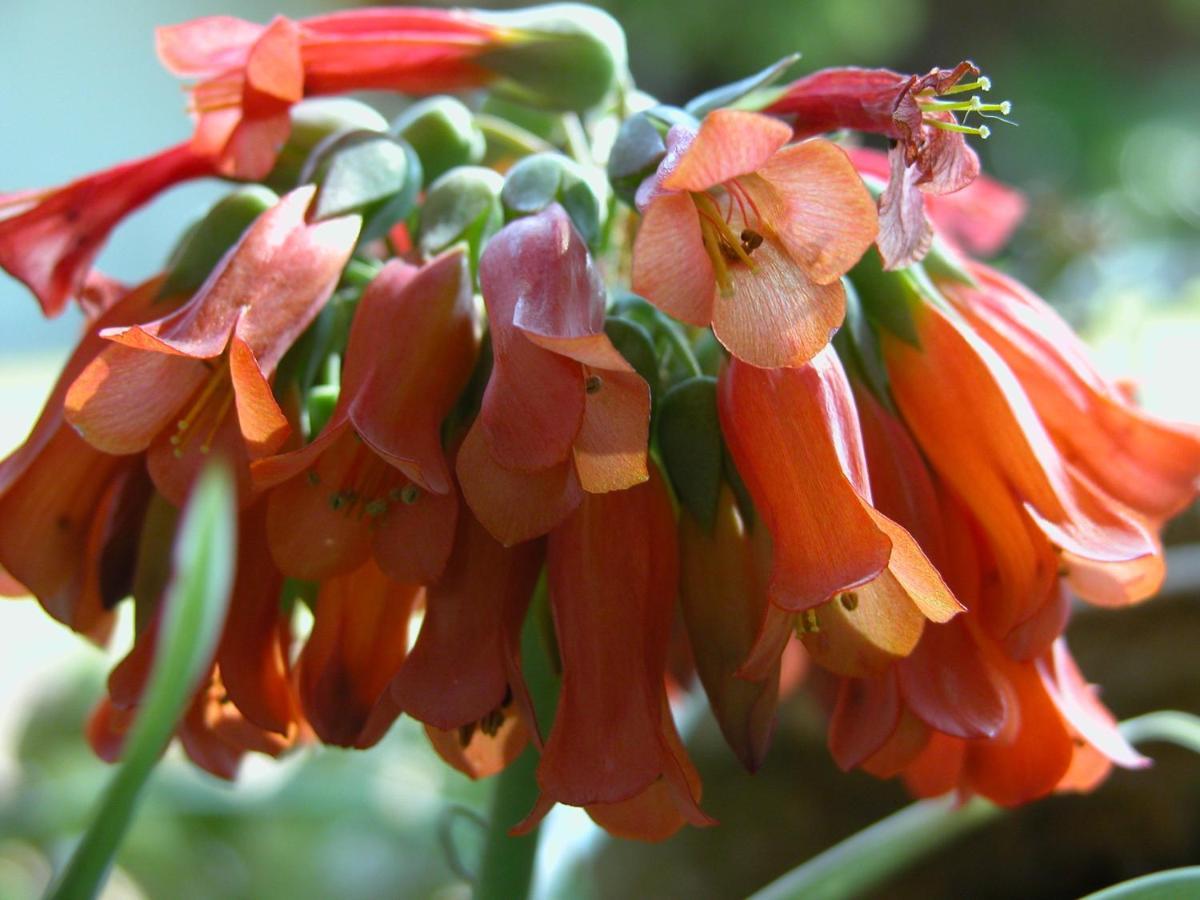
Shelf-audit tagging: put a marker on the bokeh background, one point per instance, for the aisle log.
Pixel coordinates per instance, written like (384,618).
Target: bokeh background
(1107,148)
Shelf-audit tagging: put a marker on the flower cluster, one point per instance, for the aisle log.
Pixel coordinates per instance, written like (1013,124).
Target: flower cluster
(458,440)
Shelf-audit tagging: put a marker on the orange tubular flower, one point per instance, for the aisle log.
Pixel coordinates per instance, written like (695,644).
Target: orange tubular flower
(198,379)
(613,748)
(752,237)
(69,514)
(723,592)
(849,578)
(49,239)
(358,643)
(1149,465)
(929,152)
(1003,464)
(464,672)
(376,482)
(250,75)
(563,414)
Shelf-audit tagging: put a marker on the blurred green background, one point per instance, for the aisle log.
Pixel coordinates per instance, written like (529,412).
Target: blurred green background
(1107,148)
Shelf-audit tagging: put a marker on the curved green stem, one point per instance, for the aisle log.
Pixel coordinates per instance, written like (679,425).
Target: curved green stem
(866,859)
(514,136)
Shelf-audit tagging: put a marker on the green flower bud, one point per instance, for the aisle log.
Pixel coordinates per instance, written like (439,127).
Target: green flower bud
(544,178)
(203,245)
(443,133)
(462,205)
(312,122)
(562,56)
(365,172)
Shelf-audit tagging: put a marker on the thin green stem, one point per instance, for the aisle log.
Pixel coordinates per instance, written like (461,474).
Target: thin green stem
(868,858)
(507,869)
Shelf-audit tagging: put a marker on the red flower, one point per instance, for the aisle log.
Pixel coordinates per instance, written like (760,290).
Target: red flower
(1149,465)
(564,414)
(375,482)
(250,75)
(49,239)
(752,237)
(850,579)
(613,576)
(929,152)
(198,379)
(1027,496)
(69,514)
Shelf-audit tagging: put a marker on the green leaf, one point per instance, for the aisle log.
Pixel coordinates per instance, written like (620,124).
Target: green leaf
(886,296)
(190,628)
(544,178)
(634,343)
(443,133)
(730,94)
(462,205)
(208,240)
(375,175)
(313,121)
(1171,884)
(689,439)
(636,153)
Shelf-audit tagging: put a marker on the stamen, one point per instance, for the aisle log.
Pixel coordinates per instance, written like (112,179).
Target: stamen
(850,601)
(184,429)
(975,104)
(982,131)
(593,384)
(983,84)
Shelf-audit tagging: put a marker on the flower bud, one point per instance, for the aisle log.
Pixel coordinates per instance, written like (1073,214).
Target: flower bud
(562,56)
(203,245)
(312,122)
(544,178)
(462,205)
(443,133)
(365,172)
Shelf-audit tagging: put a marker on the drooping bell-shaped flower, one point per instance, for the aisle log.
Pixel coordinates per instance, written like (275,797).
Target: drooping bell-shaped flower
(375,482)
(563,414)
(198,379)
(929,153)
(751,236)
(613,570)
(49,239)
(70,514)
(358,644)
(1150,465)
(853,582)
(464,671)
(983,437)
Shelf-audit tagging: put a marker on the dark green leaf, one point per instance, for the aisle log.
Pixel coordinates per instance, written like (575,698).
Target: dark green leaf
(205,243)
(689,439)
(729,94)
(634,343)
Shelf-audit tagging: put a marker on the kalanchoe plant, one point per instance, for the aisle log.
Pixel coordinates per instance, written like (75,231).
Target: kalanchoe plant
(453,359)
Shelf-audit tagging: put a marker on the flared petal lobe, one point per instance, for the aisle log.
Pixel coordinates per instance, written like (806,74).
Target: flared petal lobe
(49,239)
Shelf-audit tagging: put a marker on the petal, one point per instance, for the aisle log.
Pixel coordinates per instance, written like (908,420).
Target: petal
(410,353)
(205,46)
(126,397)
(514,506)
(915,575)
(729,143)
(865,717)
(612,576)
(253,653)
(263,424)
(464,660)
(50,243)
(175,467)
(483,755)
(610,450)
(670,266)
(774,314)
(784,428)
(864,631)
(950,687)
(820,208)
(413,541)
(724,601)
(358,643)
(938,768)
(905,235)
